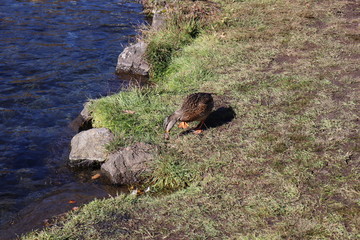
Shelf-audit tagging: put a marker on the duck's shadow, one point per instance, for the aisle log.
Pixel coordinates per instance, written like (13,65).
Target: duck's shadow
(217,118)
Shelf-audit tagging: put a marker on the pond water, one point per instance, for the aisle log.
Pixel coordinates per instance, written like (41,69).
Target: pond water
(55,54)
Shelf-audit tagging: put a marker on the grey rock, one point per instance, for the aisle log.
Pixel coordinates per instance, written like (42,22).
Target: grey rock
(88,147)
(158,21)
(83,121)
(132,59)
(85,113)
(127,165)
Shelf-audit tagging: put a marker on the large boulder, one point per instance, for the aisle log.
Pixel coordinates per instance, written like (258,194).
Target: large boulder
(127,165)
(88,147)
(132,60)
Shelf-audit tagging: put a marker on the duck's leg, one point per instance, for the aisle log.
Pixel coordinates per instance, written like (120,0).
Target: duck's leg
(183,125)
(197,129)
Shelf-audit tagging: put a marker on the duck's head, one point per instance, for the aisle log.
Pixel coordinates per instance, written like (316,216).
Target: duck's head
(170,121)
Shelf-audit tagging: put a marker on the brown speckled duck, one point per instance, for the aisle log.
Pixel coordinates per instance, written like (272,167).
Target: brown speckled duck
(196,107)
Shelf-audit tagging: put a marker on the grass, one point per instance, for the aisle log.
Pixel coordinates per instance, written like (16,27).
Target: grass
(131,115)
(286,167)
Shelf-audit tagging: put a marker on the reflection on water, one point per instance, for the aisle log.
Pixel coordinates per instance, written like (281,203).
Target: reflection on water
(54,55)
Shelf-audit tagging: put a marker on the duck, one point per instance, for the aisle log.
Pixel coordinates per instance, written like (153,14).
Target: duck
(195,107)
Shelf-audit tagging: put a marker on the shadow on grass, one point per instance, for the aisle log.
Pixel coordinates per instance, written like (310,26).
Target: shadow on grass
(217,118)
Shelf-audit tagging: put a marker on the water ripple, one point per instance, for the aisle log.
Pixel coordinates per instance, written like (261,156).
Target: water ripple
(55,54)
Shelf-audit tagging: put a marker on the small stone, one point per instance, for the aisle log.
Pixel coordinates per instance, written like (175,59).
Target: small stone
(83,120)
(158,21)
(85,113)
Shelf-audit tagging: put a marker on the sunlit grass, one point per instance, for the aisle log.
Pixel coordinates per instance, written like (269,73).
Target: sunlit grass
(131,115)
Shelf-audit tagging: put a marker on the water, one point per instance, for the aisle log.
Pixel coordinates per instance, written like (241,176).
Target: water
(55,54)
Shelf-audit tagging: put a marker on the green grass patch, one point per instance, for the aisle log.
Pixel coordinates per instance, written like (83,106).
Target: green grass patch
(166,43)
(170,173)
(131,115)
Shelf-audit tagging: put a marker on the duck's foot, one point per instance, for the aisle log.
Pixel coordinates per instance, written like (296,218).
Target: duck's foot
(197,131)
(183,125)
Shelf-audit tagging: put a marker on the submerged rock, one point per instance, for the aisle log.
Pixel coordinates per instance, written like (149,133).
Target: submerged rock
(132,59)
(88,147)
(127,165)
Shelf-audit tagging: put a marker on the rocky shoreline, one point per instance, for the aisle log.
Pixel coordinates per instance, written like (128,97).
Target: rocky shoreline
(88,147)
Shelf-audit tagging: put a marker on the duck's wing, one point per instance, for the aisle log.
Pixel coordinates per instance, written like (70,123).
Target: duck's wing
(196,107)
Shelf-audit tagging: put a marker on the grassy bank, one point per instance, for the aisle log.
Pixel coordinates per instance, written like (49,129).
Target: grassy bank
(285,167)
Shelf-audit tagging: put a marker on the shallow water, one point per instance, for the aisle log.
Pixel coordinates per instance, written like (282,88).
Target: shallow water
(55,54)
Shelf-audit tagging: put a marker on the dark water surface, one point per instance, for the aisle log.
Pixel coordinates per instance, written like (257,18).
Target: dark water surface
(55,54)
